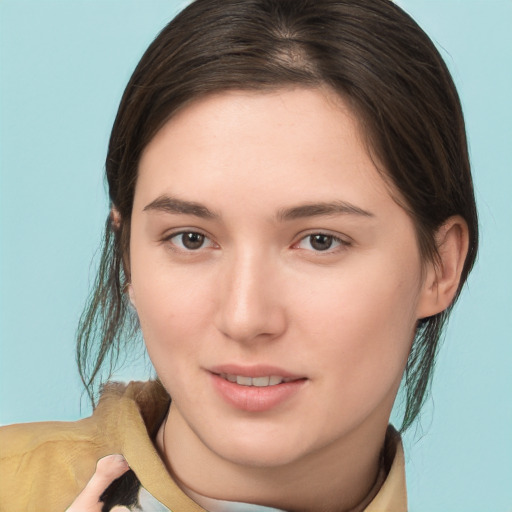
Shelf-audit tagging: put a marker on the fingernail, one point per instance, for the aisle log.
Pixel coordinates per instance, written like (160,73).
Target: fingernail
(109,462)
(117,457)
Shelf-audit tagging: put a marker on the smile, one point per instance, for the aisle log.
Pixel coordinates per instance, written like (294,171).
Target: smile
(257,388)
(260,382)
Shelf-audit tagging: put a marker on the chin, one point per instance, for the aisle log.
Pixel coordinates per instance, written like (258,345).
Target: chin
(259,446)
(263,455)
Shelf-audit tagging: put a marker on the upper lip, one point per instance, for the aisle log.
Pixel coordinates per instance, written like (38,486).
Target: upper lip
(258,370)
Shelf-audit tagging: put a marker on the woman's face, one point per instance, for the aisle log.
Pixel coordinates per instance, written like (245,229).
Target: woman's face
(277,282)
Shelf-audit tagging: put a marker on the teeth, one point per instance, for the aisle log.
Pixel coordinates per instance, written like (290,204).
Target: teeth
(243,381)
(260,382)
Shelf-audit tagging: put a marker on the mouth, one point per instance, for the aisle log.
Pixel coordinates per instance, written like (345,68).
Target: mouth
(257,388)
(259,382)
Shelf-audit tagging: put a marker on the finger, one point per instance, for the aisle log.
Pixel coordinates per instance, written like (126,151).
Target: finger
(107,470)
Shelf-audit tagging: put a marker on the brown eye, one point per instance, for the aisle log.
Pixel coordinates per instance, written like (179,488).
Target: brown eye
(189,241)
(321,242)
(192,241)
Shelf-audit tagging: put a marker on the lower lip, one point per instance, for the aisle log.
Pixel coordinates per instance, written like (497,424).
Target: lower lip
(254,398)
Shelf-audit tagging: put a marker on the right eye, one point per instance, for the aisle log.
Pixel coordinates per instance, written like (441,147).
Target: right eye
(190,241)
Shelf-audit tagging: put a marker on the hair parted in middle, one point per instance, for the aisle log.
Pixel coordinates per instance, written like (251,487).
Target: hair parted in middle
(372,54)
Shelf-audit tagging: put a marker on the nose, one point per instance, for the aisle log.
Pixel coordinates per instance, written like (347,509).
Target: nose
(250,306)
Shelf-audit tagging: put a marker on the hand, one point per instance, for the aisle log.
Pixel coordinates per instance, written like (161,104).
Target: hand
(107,470)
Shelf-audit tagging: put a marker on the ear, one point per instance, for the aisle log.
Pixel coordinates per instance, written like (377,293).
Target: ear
(116,223)
(442,276)
(115,218)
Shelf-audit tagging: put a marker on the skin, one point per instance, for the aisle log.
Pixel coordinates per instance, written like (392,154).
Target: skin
(258,292)
(107,470)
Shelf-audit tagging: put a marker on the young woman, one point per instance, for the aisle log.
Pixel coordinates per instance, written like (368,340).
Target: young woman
(292,218)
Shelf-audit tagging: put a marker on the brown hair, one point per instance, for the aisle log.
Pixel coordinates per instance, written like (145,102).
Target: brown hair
(368,51)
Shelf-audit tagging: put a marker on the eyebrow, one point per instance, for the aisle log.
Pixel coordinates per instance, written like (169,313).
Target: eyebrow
(169,204)
(174,205)
(321,209)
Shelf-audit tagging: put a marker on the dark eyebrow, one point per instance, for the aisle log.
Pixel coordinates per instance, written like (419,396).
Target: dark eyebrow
(169,204)
(319,209)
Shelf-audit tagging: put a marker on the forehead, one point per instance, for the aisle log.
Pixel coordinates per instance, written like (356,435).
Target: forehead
(300,144)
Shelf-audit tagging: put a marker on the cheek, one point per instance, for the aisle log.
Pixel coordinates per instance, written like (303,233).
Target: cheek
(361,298)
(363,328)
(173,305)
(171,316)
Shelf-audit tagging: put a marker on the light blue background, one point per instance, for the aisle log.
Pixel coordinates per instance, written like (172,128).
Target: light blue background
(64,65)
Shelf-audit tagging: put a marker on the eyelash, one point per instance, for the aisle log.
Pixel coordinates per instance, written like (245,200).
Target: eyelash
(341,244)
(181,234)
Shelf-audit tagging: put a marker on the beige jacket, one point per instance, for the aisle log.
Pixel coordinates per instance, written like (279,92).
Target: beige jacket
(44,466)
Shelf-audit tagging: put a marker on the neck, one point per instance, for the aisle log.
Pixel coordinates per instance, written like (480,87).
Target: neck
(344,475)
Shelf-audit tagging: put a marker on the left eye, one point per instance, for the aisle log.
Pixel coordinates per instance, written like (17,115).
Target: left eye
(320,242)
(190,240)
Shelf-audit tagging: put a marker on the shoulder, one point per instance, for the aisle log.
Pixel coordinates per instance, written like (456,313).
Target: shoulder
(43,464)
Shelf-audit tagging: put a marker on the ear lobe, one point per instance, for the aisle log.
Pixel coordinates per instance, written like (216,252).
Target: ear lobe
(443,275)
